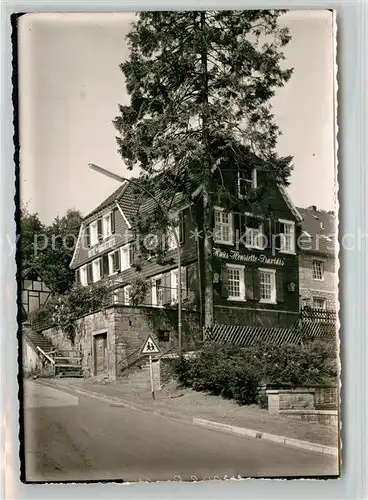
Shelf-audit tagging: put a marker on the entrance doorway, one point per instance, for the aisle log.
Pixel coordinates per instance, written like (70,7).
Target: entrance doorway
(100,353)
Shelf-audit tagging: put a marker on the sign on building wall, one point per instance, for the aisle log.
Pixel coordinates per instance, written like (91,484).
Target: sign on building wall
(102,247)
(241,257)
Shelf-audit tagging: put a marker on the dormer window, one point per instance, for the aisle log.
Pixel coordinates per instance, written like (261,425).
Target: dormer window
(247,180)
(93,233)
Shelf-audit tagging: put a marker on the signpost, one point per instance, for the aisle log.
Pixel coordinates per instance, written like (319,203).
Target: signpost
(150,347)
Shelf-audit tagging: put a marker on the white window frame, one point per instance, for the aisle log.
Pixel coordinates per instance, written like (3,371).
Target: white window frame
(319,299)
(110,257)
(221,241)
(241,269)
(93,233)
(322,263)
(83,275)
(125,257)
(283,248)
(253,182)
(96,270)
(174,284)
(260,232)
(272,273)
(106,225)
(154,290)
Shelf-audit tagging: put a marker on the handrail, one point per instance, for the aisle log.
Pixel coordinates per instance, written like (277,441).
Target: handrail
(46,355)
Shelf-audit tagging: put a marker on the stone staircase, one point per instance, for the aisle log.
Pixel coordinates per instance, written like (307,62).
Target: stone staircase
(56,362)
(38,340)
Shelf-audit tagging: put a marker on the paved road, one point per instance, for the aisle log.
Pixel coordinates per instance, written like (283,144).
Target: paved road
(69,438)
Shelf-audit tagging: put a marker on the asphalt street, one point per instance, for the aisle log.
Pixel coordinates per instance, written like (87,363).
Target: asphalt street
(76,438)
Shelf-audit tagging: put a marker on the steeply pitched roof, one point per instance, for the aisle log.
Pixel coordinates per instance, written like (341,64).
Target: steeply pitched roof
(319,228)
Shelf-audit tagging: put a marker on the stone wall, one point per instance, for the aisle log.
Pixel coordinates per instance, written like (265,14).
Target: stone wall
(127,328)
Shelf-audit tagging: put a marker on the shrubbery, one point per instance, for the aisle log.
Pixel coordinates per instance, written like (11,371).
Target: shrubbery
(238,373)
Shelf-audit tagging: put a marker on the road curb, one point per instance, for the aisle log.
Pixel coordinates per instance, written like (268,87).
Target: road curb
(240,431)
(275,438)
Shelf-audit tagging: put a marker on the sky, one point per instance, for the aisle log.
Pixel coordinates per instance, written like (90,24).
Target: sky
(70,85)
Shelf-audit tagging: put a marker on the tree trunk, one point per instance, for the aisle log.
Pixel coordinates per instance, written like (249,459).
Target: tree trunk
(207,212)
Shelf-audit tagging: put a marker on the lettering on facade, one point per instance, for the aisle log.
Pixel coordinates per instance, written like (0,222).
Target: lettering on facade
(102,247)
(241,257)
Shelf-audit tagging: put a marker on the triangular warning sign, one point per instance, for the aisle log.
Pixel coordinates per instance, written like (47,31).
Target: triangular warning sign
(150,346)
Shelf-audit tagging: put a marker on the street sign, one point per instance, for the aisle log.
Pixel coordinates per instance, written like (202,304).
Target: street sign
(150,346)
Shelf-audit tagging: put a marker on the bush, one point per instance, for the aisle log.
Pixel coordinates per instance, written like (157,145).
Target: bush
(239,373)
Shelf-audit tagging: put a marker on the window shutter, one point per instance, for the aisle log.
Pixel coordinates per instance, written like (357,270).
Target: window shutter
(89,273)
(184,286)
(267,231)
(77,277)
(112,216)
(277,235)
(101,268)
(181,227)
(87,238)
(249,285)
(99,229)
(224,283)
(131,254)
(256,285)
(279,286)
(116,260)
(166,292)
(105,265)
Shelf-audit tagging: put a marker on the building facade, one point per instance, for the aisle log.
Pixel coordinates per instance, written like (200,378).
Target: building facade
(254,262)
(317,259)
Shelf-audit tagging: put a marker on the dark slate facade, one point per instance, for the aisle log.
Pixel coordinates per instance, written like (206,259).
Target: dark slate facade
(318,259)
(255,260)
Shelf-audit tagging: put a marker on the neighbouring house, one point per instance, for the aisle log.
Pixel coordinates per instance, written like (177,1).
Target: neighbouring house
(318,259)
(255,261)
(35,293)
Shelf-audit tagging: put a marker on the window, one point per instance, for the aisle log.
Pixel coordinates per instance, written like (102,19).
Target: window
(254,235)
(107,225)
(287,236)
(319,303)
(247,179)
(318,270)
(267,285)
(96,270)
(83,276)
(126,256)
(163,335)
(114,262)
(157,291)
(175,285)
(236,284)
(223,232)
